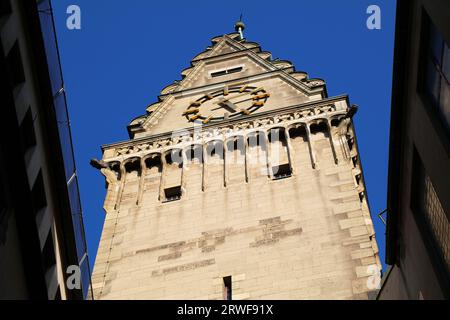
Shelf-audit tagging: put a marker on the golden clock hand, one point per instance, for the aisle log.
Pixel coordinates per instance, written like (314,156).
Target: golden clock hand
(235,96)
(234,107)
(191,111)
(261,96)
(230,105)
(232,110)
(227,105)
(236,102)
(245,93)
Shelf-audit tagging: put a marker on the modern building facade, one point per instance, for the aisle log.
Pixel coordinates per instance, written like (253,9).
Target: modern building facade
(418,229)
(41,225)
(243,181)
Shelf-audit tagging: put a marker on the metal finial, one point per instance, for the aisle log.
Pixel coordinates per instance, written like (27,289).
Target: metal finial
(239,27)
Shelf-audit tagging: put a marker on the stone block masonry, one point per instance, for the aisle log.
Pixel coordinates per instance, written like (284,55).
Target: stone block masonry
(274,199)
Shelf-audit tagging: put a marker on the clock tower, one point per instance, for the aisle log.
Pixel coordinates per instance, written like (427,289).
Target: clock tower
(243,181)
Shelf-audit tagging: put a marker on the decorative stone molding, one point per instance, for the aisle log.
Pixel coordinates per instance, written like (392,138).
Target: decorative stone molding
(293,116)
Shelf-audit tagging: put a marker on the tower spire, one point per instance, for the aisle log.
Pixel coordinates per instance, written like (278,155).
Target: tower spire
(239,27)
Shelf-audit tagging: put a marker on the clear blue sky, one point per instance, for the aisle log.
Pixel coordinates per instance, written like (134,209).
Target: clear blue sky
(127,51)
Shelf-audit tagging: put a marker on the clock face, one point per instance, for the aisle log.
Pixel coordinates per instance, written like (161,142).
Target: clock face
(227,103)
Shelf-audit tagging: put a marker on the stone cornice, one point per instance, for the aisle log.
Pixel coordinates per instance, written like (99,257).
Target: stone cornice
(306,87)
(298,114)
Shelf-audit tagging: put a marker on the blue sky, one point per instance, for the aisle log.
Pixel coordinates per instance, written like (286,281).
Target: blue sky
(127,51)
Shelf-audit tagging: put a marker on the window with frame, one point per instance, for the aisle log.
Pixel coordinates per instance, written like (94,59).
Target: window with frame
(436,70)
(437,219)
(428,208)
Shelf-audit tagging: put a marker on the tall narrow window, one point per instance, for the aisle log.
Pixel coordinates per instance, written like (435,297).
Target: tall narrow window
(436,78)
(430,213)
(227,289)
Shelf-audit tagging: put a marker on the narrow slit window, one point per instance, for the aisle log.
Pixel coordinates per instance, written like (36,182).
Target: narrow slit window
(225,72)
(351,143)
(227,289)
(355,161)
(358,179)
(361,196)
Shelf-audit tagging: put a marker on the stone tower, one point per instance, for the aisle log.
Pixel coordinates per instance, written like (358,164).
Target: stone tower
(242,182)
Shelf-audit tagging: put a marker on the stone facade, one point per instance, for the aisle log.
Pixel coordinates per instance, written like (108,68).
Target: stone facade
(274,198)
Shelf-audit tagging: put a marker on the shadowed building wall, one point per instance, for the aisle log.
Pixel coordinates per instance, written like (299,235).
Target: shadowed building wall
(418,227)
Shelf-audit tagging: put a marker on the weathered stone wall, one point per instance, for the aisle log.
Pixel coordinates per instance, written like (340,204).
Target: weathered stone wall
(308,236)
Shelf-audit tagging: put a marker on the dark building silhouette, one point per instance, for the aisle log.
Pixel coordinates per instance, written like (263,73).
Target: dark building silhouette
(41,225)
(418,229)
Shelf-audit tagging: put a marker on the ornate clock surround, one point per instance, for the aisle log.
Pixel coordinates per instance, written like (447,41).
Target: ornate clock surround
(256,96)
